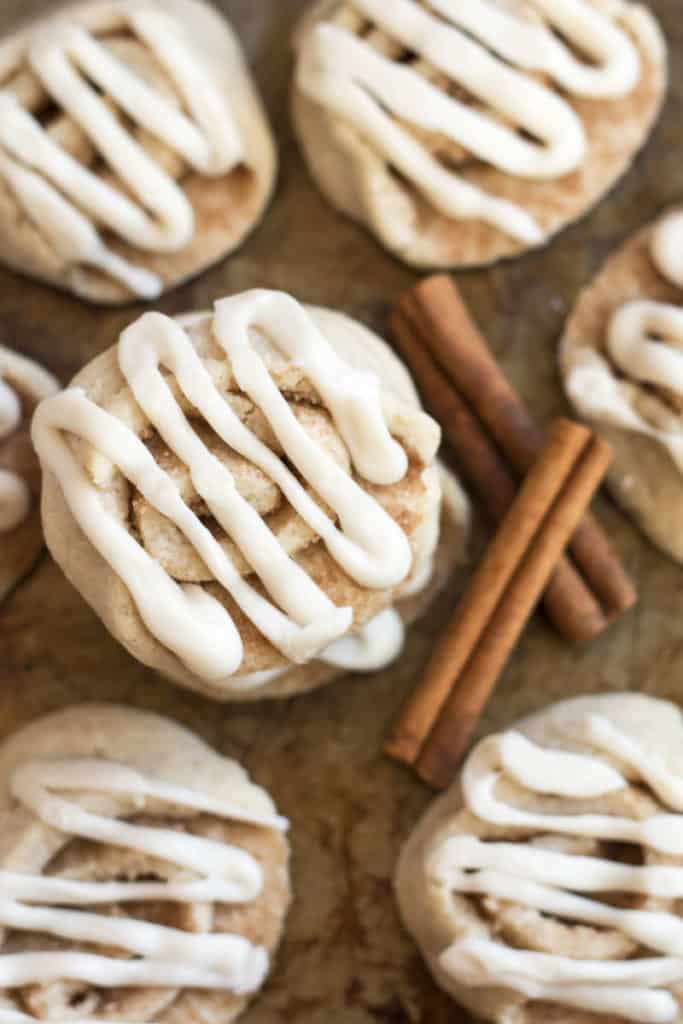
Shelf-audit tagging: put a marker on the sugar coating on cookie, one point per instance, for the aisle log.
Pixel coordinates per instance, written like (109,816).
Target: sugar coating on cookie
(143,876)
(132,142)
(462,133)
(23,384)
(546,884)
(623,371)
(246,492)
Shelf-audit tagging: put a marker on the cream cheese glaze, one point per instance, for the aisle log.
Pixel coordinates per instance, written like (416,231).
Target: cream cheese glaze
(15,497)
(371,647)
(374,646)
(564,885)
(300,621)
(159,955)
(69,202)
(645,342)
(494,51)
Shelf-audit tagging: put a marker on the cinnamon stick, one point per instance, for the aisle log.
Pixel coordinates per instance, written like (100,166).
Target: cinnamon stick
(486,588)
(568,602)
(479,463)
(480,639)
(436,311)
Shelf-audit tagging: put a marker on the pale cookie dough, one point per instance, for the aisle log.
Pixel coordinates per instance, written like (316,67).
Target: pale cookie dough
(546,885)
(622,366)
(280,535)
(462,133)
(134,149)
(23,384)
(144,877)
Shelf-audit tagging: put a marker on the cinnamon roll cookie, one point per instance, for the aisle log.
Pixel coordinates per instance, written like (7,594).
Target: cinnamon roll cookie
(249,498)
(23,384)
(134,150)
(546,884)
(622,365)
(142,876)
(463,131)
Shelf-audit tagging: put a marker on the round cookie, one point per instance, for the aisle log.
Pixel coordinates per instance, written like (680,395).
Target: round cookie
(545,884)
(343,527)
(460,134)
(144,876)
(126,190)
(23,384)
(623,373)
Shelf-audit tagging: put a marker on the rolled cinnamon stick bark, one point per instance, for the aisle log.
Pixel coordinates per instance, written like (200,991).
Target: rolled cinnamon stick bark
(436,310)
(478,461)
(458,346)
(486,588)
(568,602)
(550,503)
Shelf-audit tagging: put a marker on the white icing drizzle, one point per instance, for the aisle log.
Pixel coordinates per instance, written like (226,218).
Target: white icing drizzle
(371,647)
(15,497)
(68,201)
(160,955)
(667,248)
(489,51)
(374,646)
(645,342)
(561,884)
(368,544)
(420,579)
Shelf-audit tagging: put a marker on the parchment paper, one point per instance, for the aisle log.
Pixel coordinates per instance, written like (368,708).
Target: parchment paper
(345,959)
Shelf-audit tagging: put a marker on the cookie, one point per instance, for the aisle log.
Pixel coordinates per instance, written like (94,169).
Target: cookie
(545,885)
(144,876)
(134,149)
(460,134)
(250,498)
(23,384)
(623,372)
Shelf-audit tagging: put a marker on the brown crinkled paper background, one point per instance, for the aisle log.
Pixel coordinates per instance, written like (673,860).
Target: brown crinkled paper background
(345,959)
